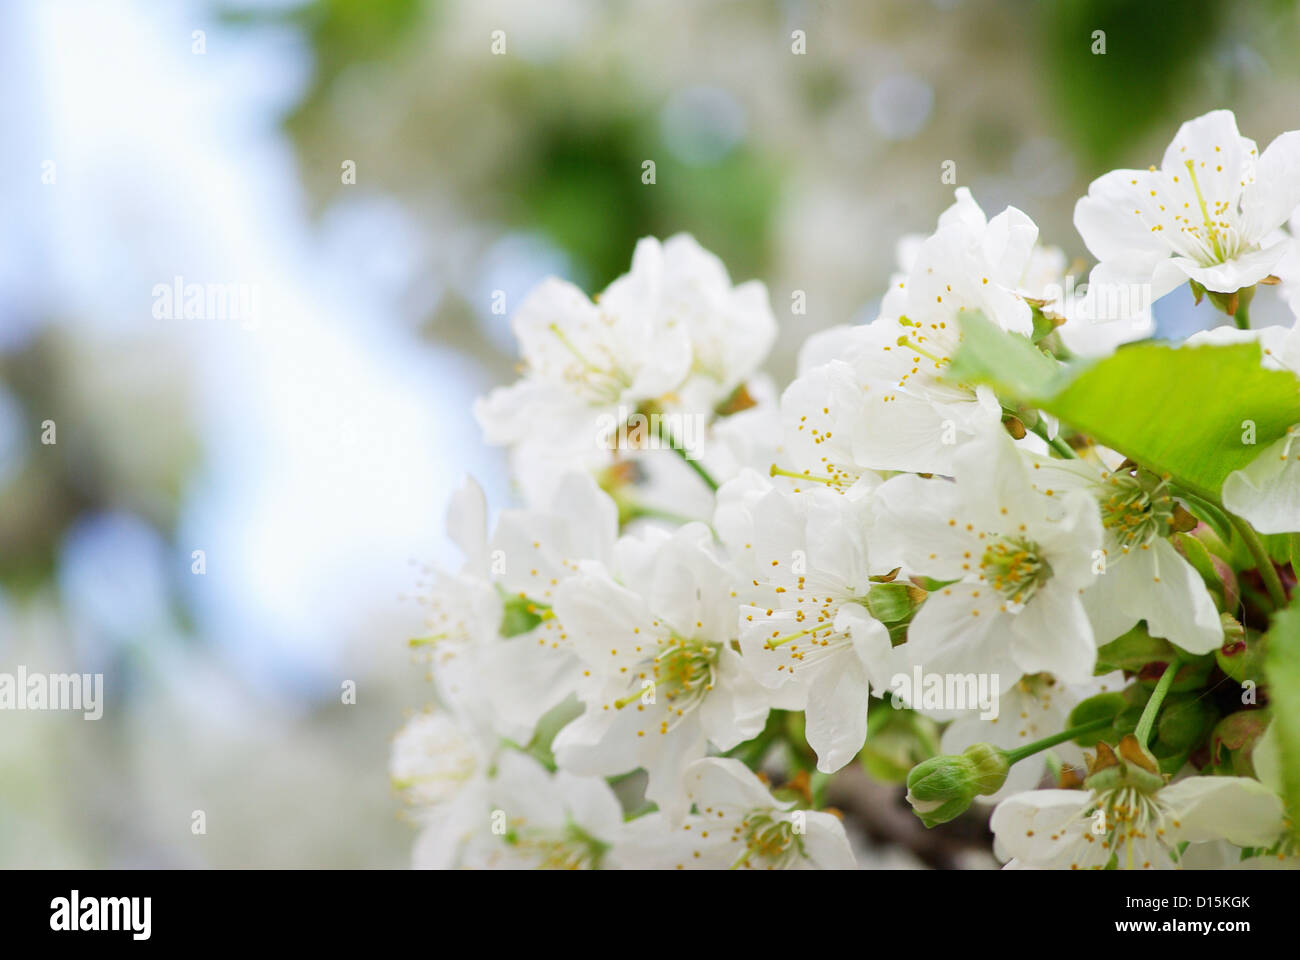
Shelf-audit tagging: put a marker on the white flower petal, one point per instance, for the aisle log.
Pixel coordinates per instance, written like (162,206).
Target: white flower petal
(1157,585)
(1044,828)
(825,845)
(1052,634)
(836,718)
(1275,194)
(1237,809)
(1244,270)
(1267,491)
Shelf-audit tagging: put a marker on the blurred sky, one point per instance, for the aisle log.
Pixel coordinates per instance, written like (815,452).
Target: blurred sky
(322,446)
(309,454)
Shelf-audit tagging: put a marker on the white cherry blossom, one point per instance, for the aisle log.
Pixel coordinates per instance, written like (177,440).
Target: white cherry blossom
(675,616)
(736,823)
(484,807)
(497,650)
(1207,214)
(1014,562)
(661,680)
(1132,828)
(671,335)
(898,412)
(806,626)
(440,765)
(1141,575)
(534,819)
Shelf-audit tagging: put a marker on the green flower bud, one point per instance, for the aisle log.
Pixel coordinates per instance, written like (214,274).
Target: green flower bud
(1233,631)
(1185,720)
(942,788)
(892,602)
(1169,761)
(1214,570)
(1232,744)
(1191,675)
(1242,656)
(1214,534)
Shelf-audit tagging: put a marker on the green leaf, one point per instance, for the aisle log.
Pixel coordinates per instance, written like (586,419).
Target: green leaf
(1175,410)
(1283,666)
(1133,650)
(1008,362)
(1109,705)
(1278,546)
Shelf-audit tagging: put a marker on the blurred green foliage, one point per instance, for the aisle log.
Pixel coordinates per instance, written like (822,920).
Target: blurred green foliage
(1152,48)
(341,33)
(578,178)
(584,189)
(580,181)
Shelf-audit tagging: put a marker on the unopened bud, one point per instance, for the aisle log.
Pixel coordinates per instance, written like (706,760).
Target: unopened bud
(1232,745)
(1185,720)
(942,788)
(1242,656)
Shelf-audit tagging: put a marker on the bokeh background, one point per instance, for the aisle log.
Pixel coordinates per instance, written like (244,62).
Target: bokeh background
(310,456)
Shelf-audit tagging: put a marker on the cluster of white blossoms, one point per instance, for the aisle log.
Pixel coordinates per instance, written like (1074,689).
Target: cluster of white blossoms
(975,508)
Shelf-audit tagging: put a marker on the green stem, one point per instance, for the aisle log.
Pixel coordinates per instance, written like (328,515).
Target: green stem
(819,782)
(695,465)
(1262,560)
(637,510)
(1242,317)
(1029,749)
(1150,711)
(1056,443)
(666,436)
